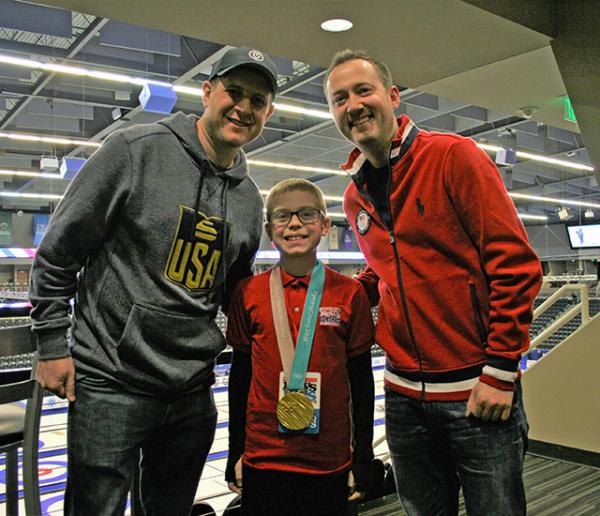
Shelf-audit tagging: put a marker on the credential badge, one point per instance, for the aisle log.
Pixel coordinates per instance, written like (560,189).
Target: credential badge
(363,222)
(256,55)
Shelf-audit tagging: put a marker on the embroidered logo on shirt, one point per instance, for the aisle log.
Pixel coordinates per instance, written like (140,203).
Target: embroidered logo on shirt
(196,252)
(420,207)
(330,315)
(363,222)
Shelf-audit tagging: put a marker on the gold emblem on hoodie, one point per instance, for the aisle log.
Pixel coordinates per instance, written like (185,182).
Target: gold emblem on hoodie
(196,251)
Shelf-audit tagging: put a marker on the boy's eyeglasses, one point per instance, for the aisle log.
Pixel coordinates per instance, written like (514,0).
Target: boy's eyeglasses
(306,216)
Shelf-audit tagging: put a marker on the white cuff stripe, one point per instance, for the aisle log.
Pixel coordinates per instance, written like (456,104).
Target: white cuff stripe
(463,385)
(500,374)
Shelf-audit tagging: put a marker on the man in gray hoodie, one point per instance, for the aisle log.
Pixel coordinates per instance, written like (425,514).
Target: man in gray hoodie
(150,239)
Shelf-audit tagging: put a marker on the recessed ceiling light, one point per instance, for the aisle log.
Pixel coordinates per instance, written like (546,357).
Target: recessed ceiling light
(336,25)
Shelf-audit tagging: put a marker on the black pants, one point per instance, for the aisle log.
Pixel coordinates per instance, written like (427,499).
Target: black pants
(270,493)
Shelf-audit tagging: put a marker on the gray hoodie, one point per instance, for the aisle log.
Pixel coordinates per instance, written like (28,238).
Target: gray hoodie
(149,240)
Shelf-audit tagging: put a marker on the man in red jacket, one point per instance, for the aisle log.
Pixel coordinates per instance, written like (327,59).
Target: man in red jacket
(450,264)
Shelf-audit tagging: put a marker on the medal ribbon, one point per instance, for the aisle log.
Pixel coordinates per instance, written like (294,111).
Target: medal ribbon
(295,363)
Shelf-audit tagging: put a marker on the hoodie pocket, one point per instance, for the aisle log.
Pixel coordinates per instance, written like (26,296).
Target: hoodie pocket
(477,311)
(165,348)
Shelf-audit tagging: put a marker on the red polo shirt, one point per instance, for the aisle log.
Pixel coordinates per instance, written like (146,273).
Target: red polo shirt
(344,328)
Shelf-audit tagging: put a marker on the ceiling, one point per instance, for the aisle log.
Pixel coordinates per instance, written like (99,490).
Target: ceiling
(495,71)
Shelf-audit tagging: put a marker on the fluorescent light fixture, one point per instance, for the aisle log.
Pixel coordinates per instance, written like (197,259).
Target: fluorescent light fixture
(138,81)
(554,161)
(552,200)
(48,139)
(26,195)
(340,255)
(188,90)
(588,214)
(254,162)
(279,106)
(336,25)
(27,173)
(270,164)
(317,113)
(527,216)
(488,147)
(514,195)
(301,168)
(537,157)
(72,70)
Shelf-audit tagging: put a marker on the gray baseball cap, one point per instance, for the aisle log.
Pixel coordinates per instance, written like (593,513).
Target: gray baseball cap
(244,56)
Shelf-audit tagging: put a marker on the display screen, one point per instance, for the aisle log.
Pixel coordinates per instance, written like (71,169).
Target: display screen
(584,236)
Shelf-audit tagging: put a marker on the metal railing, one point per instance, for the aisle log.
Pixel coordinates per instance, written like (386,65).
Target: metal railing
(581,308)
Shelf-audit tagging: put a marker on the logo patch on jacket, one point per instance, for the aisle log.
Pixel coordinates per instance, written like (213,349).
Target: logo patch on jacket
(196,252)
(330,315)
(363,222)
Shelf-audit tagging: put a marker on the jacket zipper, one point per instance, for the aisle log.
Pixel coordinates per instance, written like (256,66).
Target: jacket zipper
(394,245)
(400,283)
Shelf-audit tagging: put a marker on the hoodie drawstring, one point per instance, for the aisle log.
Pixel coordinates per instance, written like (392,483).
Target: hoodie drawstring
(197,204)
(225,233)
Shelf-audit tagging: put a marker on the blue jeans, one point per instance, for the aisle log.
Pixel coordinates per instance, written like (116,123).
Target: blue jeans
(436,449)
(108,430)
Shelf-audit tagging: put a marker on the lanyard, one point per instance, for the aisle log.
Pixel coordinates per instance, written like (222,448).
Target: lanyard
(295,363)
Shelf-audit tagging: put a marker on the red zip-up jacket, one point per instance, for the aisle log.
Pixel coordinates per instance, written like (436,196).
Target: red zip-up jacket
(456,275)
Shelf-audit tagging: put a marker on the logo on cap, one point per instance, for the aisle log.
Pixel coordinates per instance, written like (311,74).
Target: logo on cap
(256,55)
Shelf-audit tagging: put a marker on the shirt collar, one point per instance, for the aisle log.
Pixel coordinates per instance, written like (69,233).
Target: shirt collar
(400,144)
(288,280)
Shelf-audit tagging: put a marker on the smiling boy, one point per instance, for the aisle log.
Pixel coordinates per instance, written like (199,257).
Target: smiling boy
(298,463)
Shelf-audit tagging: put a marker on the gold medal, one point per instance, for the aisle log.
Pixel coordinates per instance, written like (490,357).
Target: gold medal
(295,411)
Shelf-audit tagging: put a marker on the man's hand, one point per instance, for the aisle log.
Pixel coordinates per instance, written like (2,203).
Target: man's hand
(356,495)
(353,495)
(236,486)
(58,376)
(489,403)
